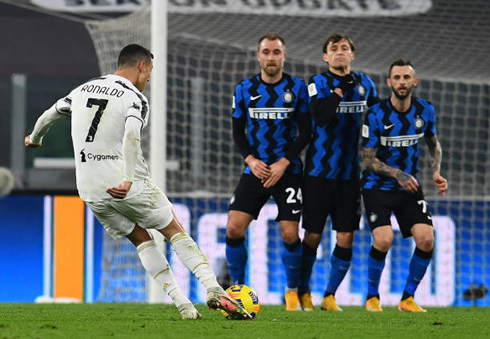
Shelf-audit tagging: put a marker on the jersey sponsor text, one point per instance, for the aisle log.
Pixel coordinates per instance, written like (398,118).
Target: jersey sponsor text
(351,107)
(271,112)
(401,141)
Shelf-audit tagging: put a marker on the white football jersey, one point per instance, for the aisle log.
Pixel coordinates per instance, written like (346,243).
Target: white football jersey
(99,109)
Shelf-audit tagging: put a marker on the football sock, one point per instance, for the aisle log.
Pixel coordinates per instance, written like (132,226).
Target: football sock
(192,257)
(291,258)
(309,257)
(376,263)
(158,268)
(340,263)
(236,256)
(418,266)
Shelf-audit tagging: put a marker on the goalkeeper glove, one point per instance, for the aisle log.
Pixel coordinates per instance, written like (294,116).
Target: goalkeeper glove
(347,83)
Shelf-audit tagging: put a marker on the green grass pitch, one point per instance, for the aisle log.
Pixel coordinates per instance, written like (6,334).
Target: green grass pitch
(163,321)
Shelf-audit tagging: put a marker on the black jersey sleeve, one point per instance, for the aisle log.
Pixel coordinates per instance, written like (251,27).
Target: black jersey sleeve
(372,100)
(323,110)
(304,136)
(238,126)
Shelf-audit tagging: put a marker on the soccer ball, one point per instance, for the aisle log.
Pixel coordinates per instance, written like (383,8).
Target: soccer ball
(246,297)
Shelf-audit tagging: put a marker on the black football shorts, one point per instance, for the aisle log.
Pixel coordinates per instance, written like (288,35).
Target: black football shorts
(341,199)
(250,195)
(409,209)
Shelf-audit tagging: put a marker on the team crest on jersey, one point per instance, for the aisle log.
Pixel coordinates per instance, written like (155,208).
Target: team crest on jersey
(361,89)
(419,123)
(373,217)
(288,97)
(136,106)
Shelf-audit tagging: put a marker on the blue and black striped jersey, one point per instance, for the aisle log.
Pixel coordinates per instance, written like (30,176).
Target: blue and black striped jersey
(271,113)
(396,136)
(333,151)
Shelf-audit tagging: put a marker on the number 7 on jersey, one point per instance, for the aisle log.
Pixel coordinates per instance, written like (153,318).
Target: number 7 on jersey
(101,103)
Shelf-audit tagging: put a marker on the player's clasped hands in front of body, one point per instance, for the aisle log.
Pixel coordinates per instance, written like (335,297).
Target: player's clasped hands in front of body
(268,175)
(277,170)
(259,168)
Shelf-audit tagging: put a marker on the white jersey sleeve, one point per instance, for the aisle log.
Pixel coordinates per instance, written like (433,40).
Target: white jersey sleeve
(59,111)
(99,110)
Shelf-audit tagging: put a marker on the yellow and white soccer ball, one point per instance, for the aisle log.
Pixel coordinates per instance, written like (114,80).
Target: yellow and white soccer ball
(246,297)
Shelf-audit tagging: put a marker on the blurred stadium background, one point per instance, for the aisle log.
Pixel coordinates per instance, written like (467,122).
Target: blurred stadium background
(210,49)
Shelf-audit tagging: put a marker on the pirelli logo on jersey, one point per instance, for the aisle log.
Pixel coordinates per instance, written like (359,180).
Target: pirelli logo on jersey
(401,141)
(351,107)
(272,113)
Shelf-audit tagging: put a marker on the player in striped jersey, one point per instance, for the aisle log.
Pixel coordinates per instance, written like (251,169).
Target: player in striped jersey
(108,114)
(391,134)
(338,98)
(270,128)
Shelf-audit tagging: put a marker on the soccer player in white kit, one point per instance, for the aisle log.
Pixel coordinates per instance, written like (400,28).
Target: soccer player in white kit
(108,114)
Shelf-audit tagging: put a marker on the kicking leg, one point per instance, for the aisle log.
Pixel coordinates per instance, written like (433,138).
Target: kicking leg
(192,257)
(159,269)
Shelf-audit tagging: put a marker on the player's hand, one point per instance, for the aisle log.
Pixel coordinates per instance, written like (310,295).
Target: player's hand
(408,182)
(440,182)
(258,167)
(347,83)
(277,170)
(120,191)
(28,143)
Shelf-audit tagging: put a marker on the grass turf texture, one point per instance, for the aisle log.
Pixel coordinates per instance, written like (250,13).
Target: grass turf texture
(163,321)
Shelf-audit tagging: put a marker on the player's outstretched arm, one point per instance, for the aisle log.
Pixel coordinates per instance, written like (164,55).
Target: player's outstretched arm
(435,151)
(371,162)
(50,117)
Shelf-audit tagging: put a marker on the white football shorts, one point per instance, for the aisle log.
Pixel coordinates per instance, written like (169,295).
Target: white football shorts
(150,208)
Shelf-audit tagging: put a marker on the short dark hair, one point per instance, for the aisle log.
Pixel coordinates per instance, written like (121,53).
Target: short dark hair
(133,54)
(272,37)
(400,62)
(336,37)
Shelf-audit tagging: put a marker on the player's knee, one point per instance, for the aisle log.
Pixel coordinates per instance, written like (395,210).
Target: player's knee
(313,239)
(289,236)
(425,242)
(383,242)
(234,230)
(138,236)
(345,239)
